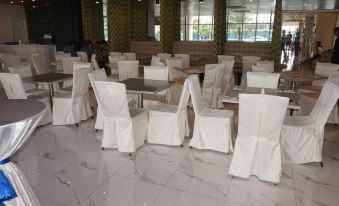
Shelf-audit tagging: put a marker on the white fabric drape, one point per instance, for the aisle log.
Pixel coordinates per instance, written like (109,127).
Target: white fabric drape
(164,56)
(186,62)
(324,69)
(174,73)
(263,80)
(247,63)
(228,79)
(124,129)
(83,56)
(213,82)
(115,53)
(58,58)
(264,66)
(156,61)
(12,137)
(67,64)
(212,127)
(23,71)
(221,58)
(302,137)
(128,69)
(168,124)
(71,108)
(257,148)
(130,56)
(94,62)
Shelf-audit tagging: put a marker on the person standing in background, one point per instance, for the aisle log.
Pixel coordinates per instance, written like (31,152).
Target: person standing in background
(283,42)
(296,43)
(288,40)
(102,57)
(335,54)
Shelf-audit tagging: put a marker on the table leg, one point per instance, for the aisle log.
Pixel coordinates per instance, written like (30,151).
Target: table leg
(140,101)
(293,85)
(51,93)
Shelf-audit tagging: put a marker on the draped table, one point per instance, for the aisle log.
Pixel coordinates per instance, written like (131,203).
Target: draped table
(18,120)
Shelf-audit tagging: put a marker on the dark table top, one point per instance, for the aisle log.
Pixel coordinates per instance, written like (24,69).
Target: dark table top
(145,86)
(18,109)
(48,78)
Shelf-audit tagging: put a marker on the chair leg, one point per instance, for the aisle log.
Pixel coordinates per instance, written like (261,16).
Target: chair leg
(92,117)
(130,154)
(190,147)
(321,164)
(102,148)
(182,145)
(275,184)
(76,124)
(96,130)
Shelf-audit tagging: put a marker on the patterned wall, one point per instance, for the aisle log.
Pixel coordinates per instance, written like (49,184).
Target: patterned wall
(92,20)
(276,35)
(219,26)
(169,24)
(138,20)
(118,25)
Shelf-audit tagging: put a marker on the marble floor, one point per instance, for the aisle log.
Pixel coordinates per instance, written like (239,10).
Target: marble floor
(66,166)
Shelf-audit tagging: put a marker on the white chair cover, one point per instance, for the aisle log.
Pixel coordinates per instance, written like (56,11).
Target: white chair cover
(185,59)
(247,63)
(94,62)
(115,53)
(14,89)
(268,66)
(37,65)
(82,65)
(228,79)
(115,59)
(83,56)
(324,69)
(128,69)
(221,58)
(263,80)
(168,124)
(123,128)
(71,108)
(302,137)
(156,61)
(67,64)
(173,73)
(212,127)
(130,56)
(257,148)
(12,137)
(97,75)
(164,56)
(156,72)
(10,60)
(58,58)
(212,86)
(23,71)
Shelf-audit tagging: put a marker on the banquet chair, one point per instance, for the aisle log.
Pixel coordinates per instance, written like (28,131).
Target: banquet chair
(212,127)
(212,86)
(168,124)
(58,58)
(247,63)
(14,89)
(263,80)
(97,75)
(302,137)
(83,56)
(128,69)
(67,64)
(114,60)
(155,73)
(257,147)
(164,56)
(124,128)
(73,107)
(10,60)
(130,56)
(94,62)
(82,65)
(324,69)
(156,61)
(173,73)
(266,66)
(185,59)
(228,79)
(221,58)
(115,53)
(37,65)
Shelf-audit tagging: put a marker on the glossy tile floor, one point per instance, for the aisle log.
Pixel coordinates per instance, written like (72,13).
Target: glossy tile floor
(65,166)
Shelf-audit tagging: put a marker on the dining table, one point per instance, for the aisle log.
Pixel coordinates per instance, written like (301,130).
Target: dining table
(18,120)
(295,77)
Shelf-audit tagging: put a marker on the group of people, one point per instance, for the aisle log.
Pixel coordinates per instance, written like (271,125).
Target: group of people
(290,43)
(99,48)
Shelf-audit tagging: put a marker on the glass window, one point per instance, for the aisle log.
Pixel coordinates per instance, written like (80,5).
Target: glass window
(104,12)
(157,21)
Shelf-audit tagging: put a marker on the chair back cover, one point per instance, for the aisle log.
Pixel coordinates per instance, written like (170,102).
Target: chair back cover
(214,75)
(37,65)
(195,91)
(13,86)
(81,65)
(83,56)
(328,98)
(128,69)
(115,59)
(267,65)
(130,56)
(115,53)
(185,58)
(174,62)
(247,63)
(164,56)
(263,80)
(184,98)
(156,61)
(228,76)
(67,64)
(10,60)
(23,71)
(156,72)
(94,62)
(324,69)
(80,83)
(225,57)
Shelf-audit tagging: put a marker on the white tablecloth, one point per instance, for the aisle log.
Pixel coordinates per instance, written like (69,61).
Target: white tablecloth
(18,120)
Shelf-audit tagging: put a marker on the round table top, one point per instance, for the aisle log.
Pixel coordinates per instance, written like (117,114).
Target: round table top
(18,109)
